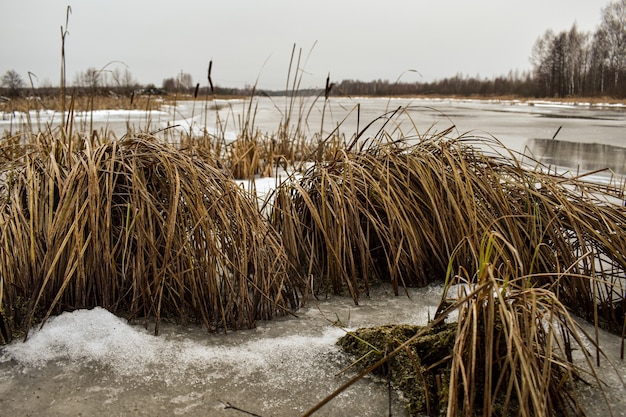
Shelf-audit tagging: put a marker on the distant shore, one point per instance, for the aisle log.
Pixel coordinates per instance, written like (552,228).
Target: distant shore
(152,102)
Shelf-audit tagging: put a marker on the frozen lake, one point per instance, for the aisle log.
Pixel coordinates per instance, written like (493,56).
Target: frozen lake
(573,137)
(523,127)
(91,363)
(552,132)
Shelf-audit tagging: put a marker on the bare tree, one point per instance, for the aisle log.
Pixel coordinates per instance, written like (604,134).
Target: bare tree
(598,64)
(541,59)
(169,84)
(124,81)
(182,82)
(614,27)
(561,62)
(12,81)
(185,81)
(129,82)
(92,78)
(578,57)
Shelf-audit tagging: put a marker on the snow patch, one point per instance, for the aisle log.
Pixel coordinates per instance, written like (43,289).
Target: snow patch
(99,338)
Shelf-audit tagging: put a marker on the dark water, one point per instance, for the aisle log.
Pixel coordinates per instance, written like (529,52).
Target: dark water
(579,156)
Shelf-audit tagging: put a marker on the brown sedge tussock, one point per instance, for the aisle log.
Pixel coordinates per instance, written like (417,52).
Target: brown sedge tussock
(141,229)
(397,211)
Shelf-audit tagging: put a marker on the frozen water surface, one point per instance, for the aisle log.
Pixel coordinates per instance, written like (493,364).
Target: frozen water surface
(512,122)
(91,362)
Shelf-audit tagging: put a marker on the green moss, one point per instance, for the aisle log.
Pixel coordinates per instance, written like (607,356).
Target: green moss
(421,371)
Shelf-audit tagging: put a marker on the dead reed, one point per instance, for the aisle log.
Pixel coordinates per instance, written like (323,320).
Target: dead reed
(513,350)
(513,353)
(292,144)
(140,228)
(151,231)
(399,211)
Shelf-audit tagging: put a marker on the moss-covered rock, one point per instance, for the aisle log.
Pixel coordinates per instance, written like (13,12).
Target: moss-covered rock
(421,371)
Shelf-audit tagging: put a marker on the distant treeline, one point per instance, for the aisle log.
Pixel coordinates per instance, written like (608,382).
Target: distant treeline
(523,84)
(571,63)
(459,85)
(514,84)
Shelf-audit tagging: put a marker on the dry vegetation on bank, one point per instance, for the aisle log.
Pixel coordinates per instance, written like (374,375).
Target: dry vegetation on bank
(137,227)
(409,212)
(85,102)
(154,231)
(88,102)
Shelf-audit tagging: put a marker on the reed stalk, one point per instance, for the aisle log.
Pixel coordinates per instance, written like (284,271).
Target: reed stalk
(396,211)
(139,228)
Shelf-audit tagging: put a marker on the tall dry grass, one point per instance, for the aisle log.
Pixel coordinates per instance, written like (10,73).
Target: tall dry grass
(399,210)
(140,228)
(515,349)
(516,341)
(84,102)
(294,142)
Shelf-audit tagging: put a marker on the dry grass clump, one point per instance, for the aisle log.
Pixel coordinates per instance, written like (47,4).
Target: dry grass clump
(513,353)
(261,155)
(140,228)
(398,211)
(293,143)
(510,352)
(248,157)
(255,152)
(252,152)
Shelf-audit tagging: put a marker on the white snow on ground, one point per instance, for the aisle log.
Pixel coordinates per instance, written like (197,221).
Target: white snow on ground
(118,120)
(261,187)
(92,362)
(101,338)
(97,336)
(99,116)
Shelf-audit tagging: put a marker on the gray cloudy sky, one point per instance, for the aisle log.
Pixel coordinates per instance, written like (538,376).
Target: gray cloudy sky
(246,39)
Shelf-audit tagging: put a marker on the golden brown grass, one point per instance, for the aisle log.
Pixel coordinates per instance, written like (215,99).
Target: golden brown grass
(532,247)
(510,351)
(84,103)
(398,211)
(140,228)
(513,353)
(88,102)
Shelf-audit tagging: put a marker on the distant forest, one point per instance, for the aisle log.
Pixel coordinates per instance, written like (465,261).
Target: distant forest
(570,63)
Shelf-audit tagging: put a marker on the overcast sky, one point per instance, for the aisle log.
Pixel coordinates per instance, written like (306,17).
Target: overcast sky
(246,39)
